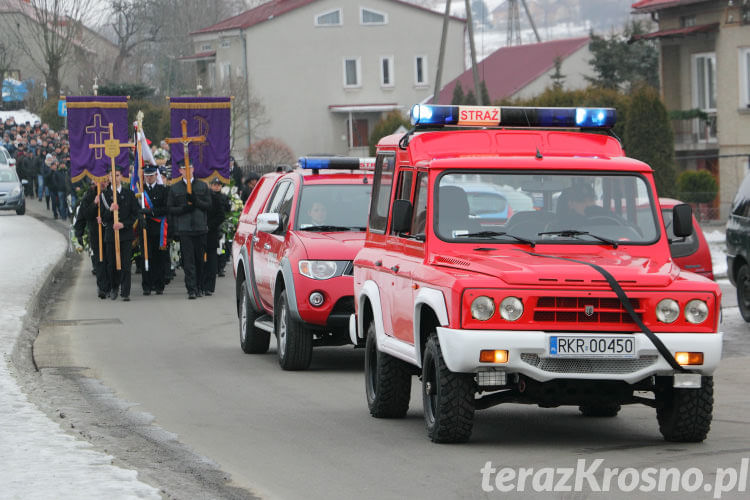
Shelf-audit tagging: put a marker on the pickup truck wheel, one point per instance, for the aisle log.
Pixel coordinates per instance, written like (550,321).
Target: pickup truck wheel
(600,410)
(743,291)
(448,398)
(387,381)
(252,340)
(684,415)
(294,341)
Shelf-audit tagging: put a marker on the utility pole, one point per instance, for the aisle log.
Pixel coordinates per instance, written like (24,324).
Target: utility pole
(474,71)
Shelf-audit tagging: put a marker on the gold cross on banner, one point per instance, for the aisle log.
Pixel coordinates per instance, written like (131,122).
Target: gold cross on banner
(185,141)
(112,149)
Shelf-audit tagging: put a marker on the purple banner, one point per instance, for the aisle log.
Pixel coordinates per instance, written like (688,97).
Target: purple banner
(88,123)
(210,117)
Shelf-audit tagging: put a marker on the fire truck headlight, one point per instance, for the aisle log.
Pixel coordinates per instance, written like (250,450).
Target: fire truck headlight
(511,308)
(482,308)
(696,311)
(667,311)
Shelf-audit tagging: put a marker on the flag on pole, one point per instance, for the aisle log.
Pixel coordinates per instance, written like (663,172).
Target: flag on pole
(206,116)
(88,121)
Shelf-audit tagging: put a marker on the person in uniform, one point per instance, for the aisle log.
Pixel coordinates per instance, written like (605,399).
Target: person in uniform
(154,214)
(87,220)
(127,205)
(190,222)
(216,215)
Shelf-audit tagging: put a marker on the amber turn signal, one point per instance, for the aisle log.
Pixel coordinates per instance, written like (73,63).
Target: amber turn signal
(688,358)
(497,356)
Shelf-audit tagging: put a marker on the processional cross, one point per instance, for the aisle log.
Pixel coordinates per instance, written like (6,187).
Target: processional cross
(185,141)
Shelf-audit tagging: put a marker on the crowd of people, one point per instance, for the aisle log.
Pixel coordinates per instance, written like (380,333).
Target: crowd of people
(163,227)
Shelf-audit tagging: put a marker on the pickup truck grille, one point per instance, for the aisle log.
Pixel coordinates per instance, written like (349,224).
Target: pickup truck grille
(569,365)
(594,310)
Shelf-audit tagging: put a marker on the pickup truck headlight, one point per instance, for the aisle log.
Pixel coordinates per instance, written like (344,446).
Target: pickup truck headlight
(696,311)
(322,269)
(482,308)
(667,311)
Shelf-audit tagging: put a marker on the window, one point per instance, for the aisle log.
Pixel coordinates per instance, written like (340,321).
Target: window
(745,77)
(381,192)
(386,71)
(420,70)
(226,43)
(687,21)
(704,81)
(403,190)
(205,47)
(226,71)
(352,72)
(368,16)
(420,205)
(330,18)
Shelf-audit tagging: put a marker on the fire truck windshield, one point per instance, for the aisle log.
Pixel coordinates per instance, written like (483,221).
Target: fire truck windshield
(555,207)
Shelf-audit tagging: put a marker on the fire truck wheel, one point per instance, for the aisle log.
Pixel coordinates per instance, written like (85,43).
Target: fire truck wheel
(387,381)
(252,340)
(448,398)
(743,291)
(600,410)
(294,341)
(684,415)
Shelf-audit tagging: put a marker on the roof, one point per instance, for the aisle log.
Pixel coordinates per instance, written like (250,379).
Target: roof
(678,32)
(654,5)
(526,63)
(362,108)
(276,8)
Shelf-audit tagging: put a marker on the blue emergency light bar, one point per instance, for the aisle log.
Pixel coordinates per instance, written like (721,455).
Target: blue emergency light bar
(336,162)
(433,115)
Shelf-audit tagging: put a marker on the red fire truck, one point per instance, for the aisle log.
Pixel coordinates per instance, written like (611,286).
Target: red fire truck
(573,300)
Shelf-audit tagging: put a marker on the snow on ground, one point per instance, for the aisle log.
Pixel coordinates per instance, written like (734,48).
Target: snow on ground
(716,239)
(39,460)
(20,115)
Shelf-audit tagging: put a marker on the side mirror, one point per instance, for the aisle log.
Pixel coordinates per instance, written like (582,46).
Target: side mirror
(401,219)
(682,220)
(24,181)
(268,222)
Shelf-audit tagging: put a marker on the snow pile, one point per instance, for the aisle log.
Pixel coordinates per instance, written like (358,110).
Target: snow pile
(39,460)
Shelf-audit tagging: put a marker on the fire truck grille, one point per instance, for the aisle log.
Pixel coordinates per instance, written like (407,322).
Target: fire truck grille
(577,365)
(594,310)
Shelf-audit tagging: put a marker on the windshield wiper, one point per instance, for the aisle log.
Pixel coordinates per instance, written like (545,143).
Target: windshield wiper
(329,228)
(572,233)
(492,234)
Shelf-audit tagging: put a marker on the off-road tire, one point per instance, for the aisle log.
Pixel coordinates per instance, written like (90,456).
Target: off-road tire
(293,340)
(743,291)
(252,340)
(684,415)
(600,410)
(387,380)
(448,398)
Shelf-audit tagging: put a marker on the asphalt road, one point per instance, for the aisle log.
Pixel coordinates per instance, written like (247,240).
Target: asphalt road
(176,366)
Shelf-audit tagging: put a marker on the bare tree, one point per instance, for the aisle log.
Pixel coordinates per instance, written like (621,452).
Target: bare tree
(270,151)
(47,32)
(133,25)
(248,112)
(7,57)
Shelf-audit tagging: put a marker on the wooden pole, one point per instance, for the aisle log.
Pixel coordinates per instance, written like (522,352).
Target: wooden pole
(188,174)
(99,217)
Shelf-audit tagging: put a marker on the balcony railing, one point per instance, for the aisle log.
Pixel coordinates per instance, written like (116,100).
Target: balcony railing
(694,129)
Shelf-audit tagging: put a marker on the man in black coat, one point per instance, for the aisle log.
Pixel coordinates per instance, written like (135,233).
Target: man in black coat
(154,214)
(128,209)
(87,221)
(216,215)
(188,212)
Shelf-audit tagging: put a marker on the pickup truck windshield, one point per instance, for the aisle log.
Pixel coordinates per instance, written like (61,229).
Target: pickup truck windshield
(556,207)
(334,207)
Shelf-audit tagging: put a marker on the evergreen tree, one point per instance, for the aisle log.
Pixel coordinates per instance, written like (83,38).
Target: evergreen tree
(649,136)
(470,99)
(386,126)
(620,64)
(458,94)
(557,77)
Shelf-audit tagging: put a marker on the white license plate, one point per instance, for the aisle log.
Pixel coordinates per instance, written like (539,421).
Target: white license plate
(591,346)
